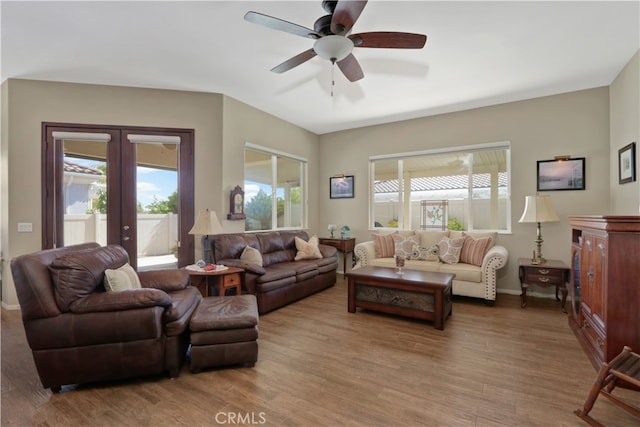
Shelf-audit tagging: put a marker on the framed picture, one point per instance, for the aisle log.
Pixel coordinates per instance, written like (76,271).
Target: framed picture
(627,163)
(341,187)
(563,174)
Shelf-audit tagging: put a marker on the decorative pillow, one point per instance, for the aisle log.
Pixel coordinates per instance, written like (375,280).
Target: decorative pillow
(251,255)
(121,279)
(384,245)
(450,249)
(403,245)
(307,250)
(425,254)
(474,250)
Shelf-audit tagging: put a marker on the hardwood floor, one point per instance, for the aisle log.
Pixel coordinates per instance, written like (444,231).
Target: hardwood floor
(319,365)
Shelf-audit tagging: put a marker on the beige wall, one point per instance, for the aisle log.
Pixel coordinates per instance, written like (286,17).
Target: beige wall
(221,124)
(32,102)
(575,124)
(243,123)
(625,128)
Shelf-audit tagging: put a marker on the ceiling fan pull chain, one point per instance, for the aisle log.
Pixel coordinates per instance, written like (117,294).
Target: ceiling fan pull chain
(333,69)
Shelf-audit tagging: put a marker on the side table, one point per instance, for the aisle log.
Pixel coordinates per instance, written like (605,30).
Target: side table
(343,245)
(551,273)
(229,278)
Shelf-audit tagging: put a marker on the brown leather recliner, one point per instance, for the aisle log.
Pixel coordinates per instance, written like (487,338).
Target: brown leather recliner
(80,333)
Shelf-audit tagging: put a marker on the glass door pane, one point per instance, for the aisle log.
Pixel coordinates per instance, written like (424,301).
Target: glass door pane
(157,204)
(84,192)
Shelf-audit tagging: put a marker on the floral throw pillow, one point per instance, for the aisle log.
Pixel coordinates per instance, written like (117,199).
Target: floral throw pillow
(426,254)
(450,249)
(403,245)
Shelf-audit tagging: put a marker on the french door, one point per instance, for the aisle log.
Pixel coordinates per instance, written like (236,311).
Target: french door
(97,186)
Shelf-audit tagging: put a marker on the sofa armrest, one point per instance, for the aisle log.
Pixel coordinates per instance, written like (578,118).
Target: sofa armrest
(495,259)
(328,251)
(246,266)
(364,252)
(165,280)
(121,300)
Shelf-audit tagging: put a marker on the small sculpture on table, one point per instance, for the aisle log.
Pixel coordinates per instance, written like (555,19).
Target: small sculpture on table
(399,263)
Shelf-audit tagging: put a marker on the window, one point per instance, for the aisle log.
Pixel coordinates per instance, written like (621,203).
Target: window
(466,188)
(274,187)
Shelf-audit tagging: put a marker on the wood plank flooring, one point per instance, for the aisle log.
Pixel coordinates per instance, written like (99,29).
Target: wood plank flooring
(319,365)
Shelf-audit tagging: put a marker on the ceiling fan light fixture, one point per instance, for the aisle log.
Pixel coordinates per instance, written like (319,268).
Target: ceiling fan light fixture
(334,48)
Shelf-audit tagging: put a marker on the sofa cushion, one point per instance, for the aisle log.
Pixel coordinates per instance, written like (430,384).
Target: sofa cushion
(430,238)
(403,245)
(474,250)
(384,245)
(79,274)
(121,279)
(450,250)
(251,255)
(307,250)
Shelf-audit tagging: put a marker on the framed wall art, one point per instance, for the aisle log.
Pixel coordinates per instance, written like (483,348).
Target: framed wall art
(627,163)
(561,174)
(341,187)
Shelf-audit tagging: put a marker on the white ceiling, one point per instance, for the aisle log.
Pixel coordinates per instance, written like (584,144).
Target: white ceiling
(477,53)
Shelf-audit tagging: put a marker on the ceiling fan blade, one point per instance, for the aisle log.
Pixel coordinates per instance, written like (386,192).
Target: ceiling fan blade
(389,39)
(351,68)
(294,62)
(281,25)
(345,15)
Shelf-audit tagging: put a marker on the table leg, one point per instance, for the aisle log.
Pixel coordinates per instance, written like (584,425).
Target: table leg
(351,297)
(564,298)
(523,296)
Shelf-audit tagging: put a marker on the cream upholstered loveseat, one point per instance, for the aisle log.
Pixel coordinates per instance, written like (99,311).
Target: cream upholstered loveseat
(473,280)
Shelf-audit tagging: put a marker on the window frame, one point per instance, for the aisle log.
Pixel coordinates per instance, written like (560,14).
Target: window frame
(459,150)
(303,174)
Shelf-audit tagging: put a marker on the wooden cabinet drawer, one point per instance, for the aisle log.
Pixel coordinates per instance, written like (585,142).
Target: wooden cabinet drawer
(230,280)
(544,276)
(593,334)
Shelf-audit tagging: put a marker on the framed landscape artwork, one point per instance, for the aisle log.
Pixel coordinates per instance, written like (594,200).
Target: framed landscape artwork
(341,187)
(627,164)
(557,175)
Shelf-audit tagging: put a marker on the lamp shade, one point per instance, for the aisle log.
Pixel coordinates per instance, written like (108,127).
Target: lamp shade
(538,209)
(206,223)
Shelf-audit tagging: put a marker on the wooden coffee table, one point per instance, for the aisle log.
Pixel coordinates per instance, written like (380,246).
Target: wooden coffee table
(417,294)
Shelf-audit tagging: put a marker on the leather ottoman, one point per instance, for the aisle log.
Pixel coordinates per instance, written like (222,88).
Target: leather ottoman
(224,331)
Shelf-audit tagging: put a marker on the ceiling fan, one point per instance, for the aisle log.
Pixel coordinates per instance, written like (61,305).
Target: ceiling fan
(333,40)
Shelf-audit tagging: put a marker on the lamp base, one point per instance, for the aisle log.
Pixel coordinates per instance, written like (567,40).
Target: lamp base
(537,261)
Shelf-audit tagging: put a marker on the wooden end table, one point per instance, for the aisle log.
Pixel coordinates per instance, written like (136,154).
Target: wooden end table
(342,245)
(551,273)
(229,278)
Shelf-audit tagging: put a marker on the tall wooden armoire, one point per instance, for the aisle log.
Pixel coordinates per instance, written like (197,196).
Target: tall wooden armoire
(605,284)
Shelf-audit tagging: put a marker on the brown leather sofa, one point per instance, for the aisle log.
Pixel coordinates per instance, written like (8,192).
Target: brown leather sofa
(280,279)
(79,333)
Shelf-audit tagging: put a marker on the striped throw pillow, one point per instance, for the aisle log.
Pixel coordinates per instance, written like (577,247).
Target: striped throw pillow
(474,250)
(384,244)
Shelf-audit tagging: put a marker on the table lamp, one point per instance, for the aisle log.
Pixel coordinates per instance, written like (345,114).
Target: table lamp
(206,224)
(332,228)
(538,209)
